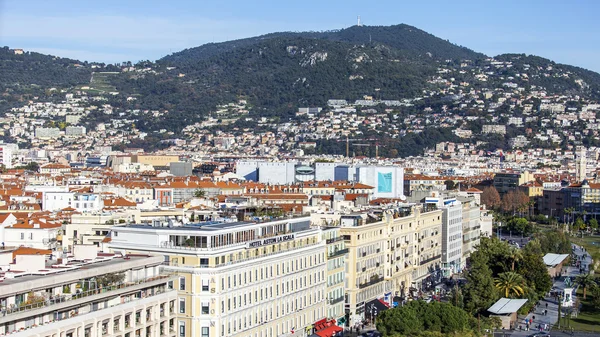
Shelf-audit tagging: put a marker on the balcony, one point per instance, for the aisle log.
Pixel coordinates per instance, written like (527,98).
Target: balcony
(330,241)
(82,298)
(86,316)
(430,259)
(336,300)
(370,283)
(338,253)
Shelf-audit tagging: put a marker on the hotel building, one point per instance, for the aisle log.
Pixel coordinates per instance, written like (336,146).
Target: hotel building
(241,278)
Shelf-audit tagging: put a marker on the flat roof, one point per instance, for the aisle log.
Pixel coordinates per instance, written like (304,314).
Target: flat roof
(72,266)
(552,259)
(507,306)
(217,225)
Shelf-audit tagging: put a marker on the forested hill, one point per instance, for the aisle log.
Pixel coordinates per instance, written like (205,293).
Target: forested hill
(281,73)
(23,76)
(418,75)
(406,39)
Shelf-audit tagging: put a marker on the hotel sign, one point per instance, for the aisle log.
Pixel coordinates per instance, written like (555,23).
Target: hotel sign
(270,241)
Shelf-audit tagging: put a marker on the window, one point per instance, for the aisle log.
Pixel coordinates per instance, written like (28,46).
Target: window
(182,283)
(205,308)
(204,331)
(22,236)
(30,236)
(182,306)
(181,329)
(204,285)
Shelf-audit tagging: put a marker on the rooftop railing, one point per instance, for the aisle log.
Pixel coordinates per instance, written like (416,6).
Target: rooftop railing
(71,297)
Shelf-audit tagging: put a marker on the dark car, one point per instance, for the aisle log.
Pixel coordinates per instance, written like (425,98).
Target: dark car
(540,334)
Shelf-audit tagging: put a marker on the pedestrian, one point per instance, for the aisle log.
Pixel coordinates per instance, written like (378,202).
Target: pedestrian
(546,312)
(546,305)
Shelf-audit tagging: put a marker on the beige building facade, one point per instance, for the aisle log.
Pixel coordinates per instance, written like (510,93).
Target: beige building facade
(389,256)
(241,279)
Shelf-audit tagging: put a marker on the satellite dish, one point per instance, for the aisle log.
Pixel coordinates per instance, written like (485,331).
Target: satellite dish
(403,197)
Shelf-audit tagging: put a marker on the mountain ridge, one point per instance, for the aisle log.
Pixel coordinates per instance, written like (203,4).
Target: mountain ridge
(279,72)
(395,36)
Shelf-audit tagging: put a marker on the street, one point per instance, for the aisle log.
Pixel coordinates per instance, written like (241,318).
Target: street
(549,303)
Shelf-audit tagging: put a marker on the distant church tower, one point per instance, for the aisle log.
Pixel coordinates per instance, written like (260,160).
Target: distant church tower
(581,164)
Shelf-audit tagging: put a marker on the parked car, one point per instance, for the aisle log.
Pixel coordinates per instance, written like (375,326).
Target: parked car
(540,334)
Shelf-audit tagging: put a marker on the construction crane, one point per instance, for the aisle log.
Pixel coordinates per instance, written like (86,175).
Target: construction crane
(348,140)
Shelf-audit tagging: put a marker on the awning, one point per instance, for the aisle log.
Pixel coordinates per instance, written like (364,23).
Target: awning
(377,304)
(329,332)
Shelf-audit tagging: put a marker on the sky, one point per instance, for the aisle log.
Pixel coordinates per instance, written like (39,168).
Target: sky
(114,31)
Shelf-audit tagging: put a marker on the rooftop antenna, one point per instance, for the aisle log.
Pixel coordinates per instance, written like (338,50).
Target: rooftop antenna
(358,21)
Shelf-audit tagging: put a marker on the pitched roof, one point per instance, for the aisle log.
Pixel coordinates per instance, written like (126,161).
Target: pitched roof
(30,251)
(507,306)
(118,202)
(551,259)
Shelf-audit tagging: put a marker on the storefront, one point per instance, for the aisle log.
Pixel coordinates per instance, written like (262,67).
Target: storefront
(326,328)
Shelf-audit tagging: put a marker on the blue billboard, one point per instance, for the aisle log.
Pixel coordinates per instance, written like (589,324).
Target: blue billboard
(384,182)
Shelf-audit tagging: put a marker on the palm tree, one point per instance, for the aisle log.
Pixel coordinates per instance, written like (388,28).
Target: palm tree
(586,281)
(510,284)
(515,255)
(569,211)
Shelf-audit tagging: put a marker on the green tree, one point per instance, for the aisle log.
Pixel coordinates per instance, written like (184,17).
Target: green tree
(516,255)
(456,297)
(595,292)
(400,320)
(586,281)
(510,284)
(554,242)
(593,224)
(479,292)
(199,193)
(535,272)
(520,226)
(419,318)
(579,224)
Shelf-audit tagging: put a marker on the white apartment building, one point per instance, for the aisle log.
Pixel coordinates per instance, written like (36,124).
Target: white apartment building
(452,235)
(239,279)
(471,227)
(92,228)
(37,235)
(41,298)
(82,202)
(8,154)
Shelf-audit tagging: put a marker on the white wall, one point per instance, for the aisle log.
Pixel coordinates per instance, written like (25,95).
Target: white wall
(39,238)
(375,176)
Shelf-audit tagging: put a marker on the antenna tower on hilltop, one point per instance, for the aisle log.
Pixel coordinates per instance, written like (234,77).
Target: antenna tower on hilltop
(358,21)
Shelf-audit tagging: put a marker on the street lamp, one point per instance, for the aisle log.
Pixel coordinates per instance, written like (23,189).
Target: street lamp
(373,312)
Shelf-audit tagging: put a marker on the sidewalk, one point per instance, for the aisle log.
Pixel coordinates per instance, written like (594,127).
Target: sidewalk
(552,316)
